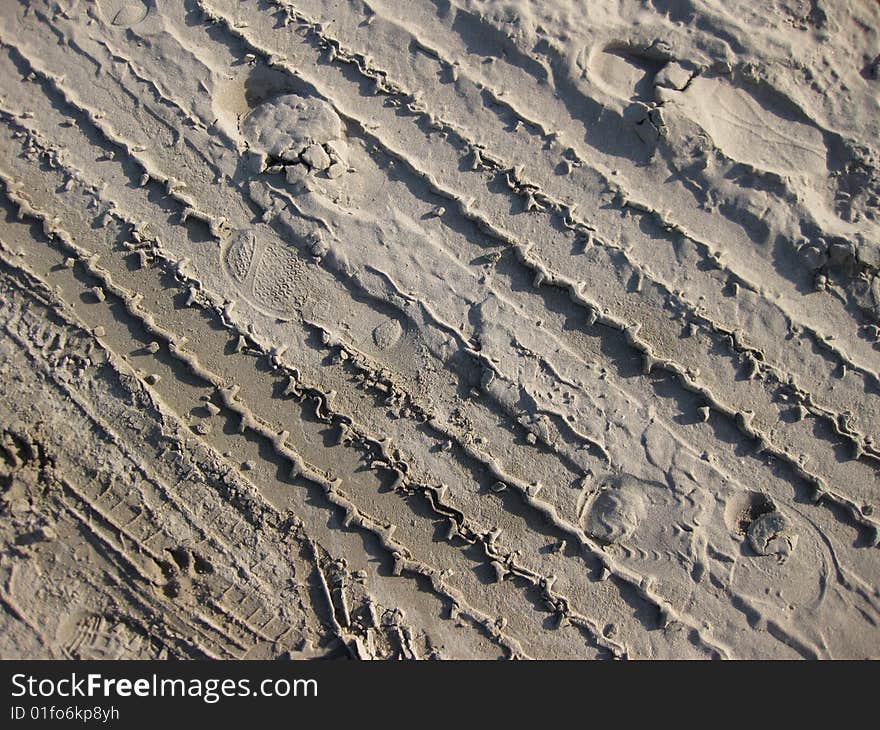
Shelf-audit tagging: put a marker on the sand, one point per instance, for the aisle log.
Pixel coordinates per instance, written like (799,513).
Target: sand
(460,329)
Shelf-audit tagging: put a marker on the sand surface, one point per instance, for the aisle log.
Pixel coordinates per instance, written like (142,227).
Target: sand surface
(439,329)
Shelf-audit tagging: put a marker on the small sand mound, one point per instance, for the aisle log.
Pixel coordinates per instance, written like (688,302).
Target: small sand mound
(387,334)
(289,125)
(772,534)
(616,511)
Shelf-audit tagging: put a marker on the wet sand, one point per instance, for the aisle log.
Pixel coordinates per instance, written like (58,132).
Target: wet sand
(439,330)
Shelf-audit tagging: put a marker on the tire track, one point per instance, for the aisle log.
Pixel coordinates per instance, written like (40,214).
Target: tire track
(742,418)
(652,599)
(635,582)
(355,517)
(535,195)
(412,345)
(497,553)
